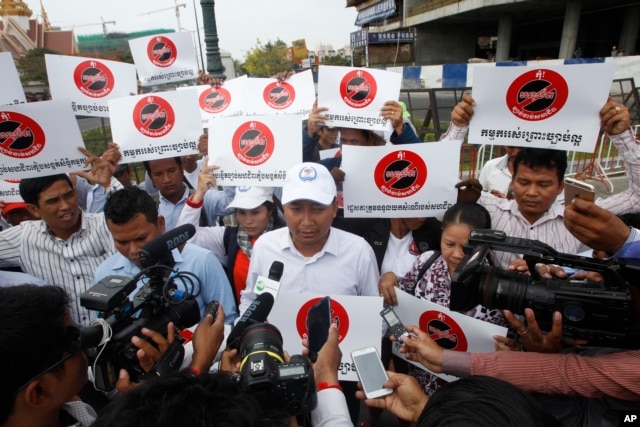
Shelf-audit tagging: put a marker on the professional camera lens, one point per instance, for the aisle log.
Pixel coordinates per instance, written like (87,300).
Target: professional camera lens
(504,289)
(261,337)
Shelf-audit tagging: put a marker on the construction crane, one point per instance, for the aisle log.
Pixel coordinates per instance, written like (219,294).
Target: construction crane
(103,23)
(177,9)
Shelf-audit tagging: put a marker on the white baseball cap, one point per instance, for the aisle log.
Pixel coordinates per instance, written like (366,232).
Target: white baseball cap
(309,181)
(251,197)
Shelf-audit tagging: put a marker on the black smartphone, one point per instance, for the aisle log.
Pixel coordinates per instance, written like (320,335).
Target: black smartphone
(212,308)
(318,323)
(395,325)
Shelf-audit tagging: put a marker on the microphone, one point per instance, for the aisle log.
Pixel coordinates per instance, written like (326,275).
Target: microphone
(256,313)
(276,270)
(160,247)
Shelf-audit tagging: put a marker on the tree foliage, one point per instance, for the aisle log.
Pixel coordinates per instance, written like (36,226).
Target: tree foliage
(266,60)
(31,66)
(337,60)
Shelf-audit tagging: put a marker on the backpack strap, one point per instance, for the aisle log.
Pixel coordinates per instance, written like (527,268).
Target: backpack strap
(427,264)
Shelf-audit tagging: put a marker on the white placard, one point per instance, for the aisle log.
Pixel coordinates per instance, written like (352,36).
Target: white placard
(400,181)
(89,83)
(450,329)
(164,58)
(354,96)
(10,86)
(157,125)
(227,100)
(358,317)
(10,191)
(329,153)
(294,95)
(39,139)
(255,150)
(551,106)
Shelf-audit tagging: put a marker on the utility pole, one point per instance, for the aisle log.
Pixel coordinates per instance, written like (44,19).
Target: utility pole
(214,62)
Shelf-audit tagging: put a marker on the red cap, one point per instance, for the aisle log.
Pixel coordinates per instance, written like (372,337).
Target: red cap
(8,207)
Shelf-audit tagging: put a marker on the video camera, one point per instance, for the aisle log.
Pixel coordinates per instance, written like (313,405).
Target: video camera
(158,302)
(601,312)
(265,375)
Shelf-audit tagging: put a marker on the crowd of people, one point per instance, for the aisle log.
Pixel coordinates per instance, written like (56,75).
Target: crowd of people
(73,232)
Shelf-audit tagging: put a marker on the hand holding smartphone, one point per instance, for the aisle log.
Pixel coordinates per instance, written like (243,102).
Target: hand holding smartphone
(574,188)
(371,372)
(318,323)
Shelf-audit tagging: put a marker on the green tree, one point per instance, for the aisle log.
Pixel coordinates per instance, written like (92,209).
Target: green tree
(31,66)
(268,59)
(337,60)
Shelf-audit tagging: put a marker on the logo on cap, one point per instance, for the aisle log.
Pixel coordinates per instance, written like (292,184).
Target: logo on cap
(400,174)
(537,95)
(93,79)
(153,116)
(244,189)
(358,88)
(20,136)
(308,173)
(161,51)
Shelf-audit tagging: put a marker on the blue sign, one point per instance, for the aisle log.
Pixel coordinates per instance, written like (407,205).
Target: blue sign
(376,12)
(392,37)
(359,38)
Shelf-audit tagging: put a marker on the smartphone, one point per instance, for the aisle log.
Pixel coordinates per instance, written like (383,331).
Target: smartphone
(318,323)
(212,308)
(371,372)
(574,188)
(395,324)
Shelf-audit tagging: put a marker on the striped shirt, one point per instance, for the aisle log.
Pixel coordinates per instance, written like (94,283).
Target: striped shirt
(68,263)
(549,228)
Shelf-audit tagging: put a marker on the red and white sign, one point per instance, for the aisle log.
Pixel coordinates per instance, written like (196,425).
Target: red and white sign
(39,139)
(547,106)
(450,329)
(359,324)
(164,58)
(354,96)
(254,150)
(10,86)
(405,181)
(89,83)
(294,95)
(227,100)
(156,125)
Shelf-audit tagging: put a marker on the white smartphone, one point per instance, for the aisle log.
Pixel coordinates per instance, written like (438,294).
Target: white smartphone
(574,188)
(371,372)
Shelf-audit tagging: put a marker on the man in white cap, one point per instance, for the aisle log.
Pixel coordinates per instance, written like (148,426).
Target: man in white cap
(317,258)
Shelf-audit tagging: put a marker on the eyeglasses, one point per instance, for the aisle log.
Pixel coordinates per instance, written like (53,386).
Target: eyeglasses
(72,347)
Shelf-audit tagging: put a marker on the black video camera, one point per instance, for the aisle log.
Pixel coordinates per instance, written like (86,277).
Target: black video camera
(158,302)
(601,312)
(265,375)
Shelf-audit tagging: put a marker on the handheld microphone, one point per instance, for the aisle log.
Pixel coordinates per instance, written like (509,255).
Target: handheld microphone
(158,248)
(276,270)
(256,313)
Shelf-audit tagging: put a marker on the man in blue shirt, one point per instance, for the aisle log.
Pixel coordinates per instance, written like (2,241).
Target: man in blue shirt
(132,217)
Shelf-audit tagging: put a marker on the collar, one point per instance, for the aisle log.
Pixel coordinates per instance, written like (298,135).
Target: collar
(503,163)
(330,246)
(44,228)
(555,211)
(184,197)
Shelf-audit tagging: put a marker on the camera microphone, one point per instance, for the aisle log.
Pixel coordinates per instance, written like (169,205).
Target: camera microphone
(160,247)
(257,312)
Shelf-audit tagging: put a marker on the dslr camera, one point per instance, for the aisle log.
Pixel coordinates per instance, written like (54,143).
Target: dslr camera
(158,302)
(265,375)
(603,313)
